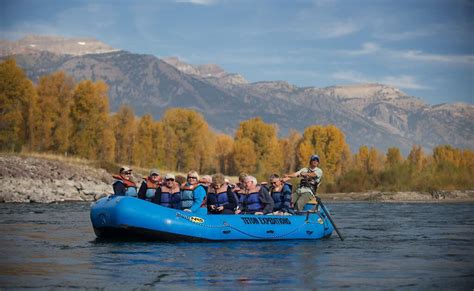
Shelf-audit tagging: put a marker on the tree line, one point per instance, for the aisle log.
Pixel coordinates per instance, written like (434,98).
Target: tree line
(61,116)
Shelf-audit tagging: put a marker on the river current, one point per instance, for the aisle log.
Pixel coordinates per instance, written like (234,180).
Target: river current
(387,246)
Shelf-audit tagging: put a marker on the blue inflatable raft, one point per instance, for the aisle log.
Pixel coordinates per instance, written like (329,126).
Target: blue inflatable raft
(128,217)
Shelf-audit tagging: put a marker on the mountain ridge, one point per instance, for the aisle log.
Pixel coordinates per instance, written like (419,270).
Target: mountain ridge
(371,114)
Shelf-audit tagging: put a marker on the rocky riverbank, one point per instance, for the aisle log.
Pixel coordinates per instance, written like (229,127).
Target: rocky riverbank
(43,180)
(31,179)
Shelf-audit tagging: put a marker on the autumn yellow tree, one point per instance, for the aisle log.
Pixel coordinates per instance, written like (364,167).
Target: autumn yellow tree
(244,156)
(91,135)
(17,107)
(223,153)
(55,92)
(189,140)
(288,148)
(393,157)
(159,144)
(143,147)
(369,160)
(124,127)
(264,140)
(416,158)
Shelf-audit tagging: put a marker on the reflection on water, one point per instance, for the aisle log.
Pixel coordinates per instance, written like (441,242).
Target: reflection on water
(389,246)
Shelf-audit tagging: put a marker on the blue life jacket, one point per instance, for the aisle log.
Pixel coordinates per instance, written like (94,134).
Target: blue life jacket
(169,199)
(220,199)
(151,187)
(131,191)
(282,199)
(187,196)
(149,194)
(251,202)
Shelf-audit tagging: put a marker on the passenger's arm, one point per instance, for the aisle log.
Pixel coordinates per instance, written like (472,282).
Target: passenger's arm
(119,189)
(142,190)
(199,195)
(232,201)
(267,200)
(157,198)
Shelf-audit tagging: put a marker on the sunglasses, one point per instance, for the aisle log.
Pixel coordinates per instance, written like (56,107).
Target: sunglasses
(154,175)
(192,178)
(127,173)
(169,179)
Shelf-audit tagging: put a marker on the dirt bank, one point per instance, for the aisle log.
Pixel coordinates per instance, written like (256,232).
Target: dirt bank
(45,180)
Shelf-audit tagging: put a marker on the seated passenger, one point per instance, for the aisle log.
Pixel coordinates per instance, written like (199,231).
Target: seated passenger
(255,199)
(206,181)
(181,180)
(149,185)
(168,194)
(220,198)
(123,184)
(240,187)
(281,195)
(192,194)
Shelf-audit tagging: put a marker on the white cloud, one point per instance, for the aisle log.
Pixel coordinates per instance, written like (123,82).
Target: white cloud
(337,29)
(367,48)
(402,81)
(420,56)
(412,55)
(404,35)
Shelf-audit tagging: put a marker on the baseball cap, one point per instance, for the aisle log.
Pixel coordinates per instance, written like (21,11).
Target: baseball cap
(154,171)
(170,176)
(314,157)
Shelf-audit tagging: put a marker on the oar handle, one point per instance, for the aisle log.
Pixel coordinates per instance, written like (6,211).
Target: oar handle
(318,199)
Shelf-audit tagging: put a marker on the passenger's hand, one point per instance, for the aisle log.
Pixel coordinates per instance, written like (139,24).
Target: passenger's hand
(187,210)
(237,211)
(258,213)
(220,208)
(213,207)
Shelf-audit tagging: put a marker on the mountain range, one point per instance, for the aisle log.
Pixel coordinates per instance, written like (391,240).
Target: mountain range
(369,114)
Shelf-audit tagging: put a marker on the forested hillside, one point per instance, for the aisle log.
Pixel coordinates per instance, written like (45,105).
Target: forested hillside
(62,116)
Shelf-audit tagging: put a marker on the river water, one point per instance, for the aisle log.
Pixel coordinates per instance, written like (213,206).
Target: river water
(387,246)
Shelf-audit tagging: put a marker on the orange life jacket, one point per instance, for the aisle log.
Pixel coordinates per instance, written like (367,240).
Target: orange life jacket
(150,184)
(127,183)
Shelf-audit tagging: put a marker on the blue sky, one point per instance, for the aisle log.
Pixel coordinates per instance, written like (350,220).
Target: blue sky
(423,47)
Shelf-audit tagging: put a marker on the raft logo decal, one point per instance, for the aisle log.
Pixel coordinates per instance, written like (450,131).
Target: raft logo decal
(320,221)
(196,219)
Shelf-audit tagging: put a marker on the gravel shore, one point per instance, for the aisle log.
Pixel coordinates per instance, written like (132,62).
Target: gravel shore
(42,180)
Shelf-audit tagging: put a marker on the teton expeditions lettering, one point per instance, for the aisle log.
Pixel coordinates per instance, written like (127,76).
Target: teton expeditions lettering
(265,220)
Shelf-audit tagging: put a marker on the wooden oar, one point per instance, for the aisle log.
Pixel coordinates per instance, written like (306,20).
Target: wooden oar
(318,199)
